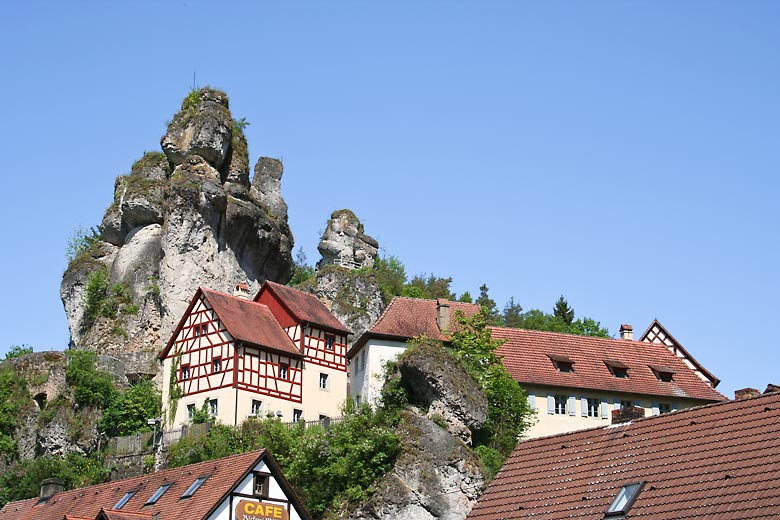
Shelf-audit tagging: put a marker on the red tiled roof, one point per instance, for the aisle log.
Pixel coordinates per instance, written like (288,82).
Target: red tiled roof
(406,318)
(712,462)
(250,322)
(87,502)
(116,514)
(526,354)
(305,306)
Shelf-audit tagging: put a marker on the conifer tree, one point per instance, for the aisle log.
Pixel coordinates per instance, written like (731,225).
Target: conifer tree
(563,311)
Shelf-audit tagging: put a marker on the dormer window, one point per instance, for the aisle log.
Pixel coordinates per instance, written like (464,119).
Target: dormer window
(617,368)
(562,363)
(624,499)
(664,374)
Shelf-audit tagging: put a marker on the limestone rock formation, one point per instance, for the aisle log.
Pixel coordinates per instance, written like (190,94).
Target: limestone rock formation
(436,476)
(344,243)
(352,296)
(443,387)
(187,218)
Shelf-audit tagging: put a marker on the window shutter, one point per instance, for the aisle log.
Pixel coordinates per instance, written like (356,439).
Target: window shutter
(572,405)
(616,404)
(675,406)
(604,409)
(550,404)
(584,406)
(656,409)
(532,401)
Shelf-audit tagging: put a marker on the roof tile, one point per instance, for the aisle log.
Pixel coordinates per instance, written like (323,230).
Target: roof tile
(305,306)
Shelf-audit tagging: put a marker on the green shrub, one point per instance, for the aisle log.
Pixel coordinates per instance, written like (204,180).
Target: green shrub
(80,241)
(90,386)
(18,351)
(127,412)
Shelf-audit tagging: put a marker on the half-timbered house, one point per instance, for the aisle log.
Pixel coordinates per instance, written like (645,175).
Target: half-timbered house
(282,354)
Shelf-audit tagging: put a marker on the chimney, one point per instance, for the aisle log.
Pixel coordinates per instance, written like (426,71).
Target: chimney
(745,393)
(443,314)
(626,332)
(51,486)
(624,415)
(241,291)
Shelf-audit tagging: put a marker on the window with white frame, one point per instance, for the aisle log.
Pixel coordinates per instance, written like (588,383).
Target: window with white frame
(330,339)
(560,404)
(664,408)
(323,381)
(190,411)
(257,407)
(593,407)
(217,364)
(297,415)
(213,407)
(284,371)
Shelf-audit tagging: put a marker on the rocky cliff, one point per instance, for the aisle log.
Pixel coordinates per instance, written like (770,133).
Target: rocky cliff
(181,219)
(437,476)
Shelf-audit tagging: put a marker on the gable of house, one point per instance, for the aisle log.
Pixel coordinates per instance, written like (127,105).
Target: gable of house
(211,490)
(715,461)
(657,333)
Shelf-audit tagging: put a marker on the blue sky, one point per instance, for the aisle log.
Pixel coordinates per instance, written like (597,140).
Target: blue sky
(623,154)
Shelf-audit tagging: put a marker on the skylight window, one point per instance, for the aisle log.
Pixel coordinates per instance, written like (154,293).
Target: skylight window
(194,487)
(124,499)
(157,494)
(624,499)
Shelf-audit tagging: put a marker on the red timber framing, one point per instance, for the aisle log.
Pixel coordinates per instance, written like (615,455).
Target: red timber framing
(201,340)
(326,349)
(263,372)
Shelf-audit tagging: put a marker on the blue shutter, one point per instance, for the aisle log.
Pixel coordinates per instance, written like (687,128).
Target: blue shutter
(572,405)
(604,409)
(550,404)
(584,406)
(616,404)
(532,401)
(675,407)
(656,409)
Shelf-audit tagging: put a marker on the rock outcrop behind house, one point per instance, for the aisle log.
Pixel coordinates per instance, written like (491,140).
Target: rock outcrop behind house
(181,219)
(437,475)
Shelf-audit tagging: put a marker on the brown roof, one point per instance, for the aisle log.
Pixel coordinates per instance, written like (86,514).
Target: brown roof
(526,354)
(305,306)
(223,475)
(245,321)
(406,318)
(712,462)
(117,514)
(250,322)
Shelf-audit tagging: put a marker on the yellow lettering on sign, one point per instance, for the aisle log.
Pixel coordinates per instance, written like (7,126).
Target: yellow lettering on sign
(247,510)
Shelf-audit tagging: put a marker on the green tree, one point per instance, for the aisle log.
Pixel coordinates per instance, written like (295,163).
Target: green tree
(508,411)
(303,271)
(13,398)
(18,351)
(80,241)
(512,315)
(488,306)
(466,298)
(432,287)
(90,386)
(390,275)
(128,412)
(563,311)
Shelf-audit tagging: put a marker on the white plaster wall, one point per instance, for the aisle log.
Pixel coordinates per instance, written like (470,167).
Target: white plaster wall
(551,424)
(367,382)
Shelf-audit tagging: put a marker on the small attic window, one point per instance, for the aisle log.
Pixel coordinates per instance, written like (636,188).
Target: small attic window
(122,501)
(664,374)
(617,368)
(194,487)
(562,363)
(624,499)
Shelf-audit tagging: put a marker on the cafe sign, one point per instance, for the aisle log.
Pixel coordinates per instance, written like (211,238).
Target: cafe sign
(249,510)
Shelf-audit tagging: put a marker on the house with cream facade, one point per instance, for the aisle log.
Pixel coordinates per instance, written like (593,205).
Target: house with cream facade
(572,382)
(282,354)
(249,486)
